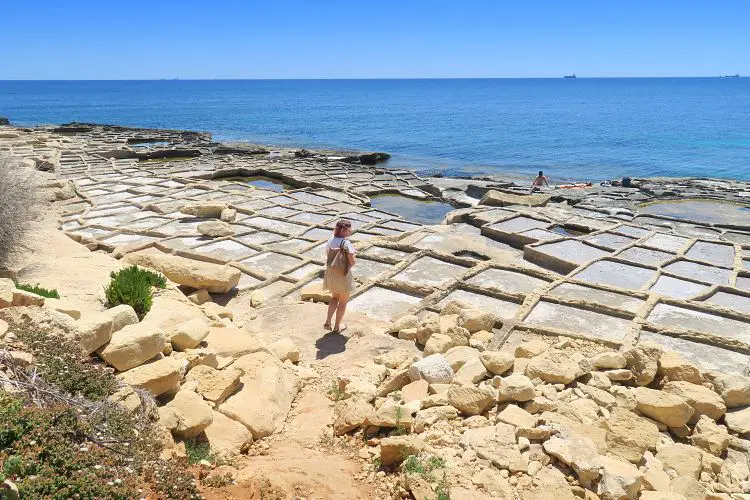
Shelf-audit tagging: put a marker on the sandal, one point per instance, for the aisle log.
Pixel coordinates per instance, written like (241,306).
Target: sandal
(340,329)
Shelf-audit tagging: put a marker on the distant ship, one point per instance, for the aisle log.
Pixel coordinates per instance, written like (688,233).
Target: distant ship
(570,76)
(730,76)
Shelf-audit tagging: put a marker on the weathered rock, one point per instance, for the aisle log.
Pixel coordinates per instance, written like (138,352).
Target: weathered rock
(673,367)
(620,480)
(394,382)
(689,488)
(578,452)
(515,388)
(350,415)
(548,483)
(531,348)
(495,198)
(630,436)
(434,369)
(215,385)
(132,346)
(643,361)
(216,311)
(188,334)
(609,360)
(471,373)
(553,366)
(266,396)
(476,320)
(205,210)
(733,389)
(157,377)
(63,306)
(393,358)
(493,482)
(199,297)
(415,391)
(228,215)
(470,400)
(226,437)
(127,398)
(432,415)
(710,436)
(517,417)
(684,460)
(395,449)
(497,362)
(494,443)
(458,356)
(315,292)
(95,330)
(390,414)
(187,415)
(22,298)
(738,421)
(703,400)
(232,342)
(215,229)
(663,407)
(285,349)
(193,273)
(438,344)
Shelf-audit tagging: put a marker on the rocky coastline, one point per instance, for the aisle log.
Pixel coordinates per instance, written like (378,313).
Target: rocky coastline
(589,341)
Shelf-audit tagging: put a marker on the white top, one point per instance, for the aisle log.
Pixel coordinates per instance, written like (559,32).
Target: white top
(335,243)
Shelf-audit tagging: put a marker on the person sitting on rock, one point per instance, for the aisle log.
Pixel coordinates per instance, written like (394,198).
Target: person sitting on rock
(338,278)
(539,181)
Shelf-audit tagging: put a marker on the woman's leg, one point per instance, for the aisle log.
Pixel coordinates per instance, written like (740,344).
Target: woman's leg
(340,311)
(331,309)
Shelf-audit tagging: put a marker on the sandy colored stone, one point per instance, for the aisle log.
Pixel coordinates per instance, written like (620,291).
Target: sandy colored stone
(609,360)
(438,344)
(684,460)
(629,436)
(215,229)
(517,417)
(432,415)
(709,436)
(494,443)
(415,391)
(63,306)
(132,346)
(23,298)
(531,348)
(215,278)
(434,369)
(199,297)
(215,385)
(643,361)
(495,198)
(689,488)
(187,415)
(497,362)
(395,449)
(458,356)
(663,407)
(228,215)
(216,311)
(620,479)
(673,367)
(515,388)
(390,414)
(226,437)
(553,366)
(578,452)
(204,209)
(157,377)
(393,358)
(350,415)
(285,349)
(94,331)
(703,400)
(232,342)
(733,389)
(469,400)
(315,292)
(471,373)
(738,421)
(476,320)
(188,334)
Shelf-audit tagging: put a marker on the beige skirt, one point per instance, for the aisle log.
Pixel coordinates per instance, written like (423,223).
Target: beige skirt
(337,283)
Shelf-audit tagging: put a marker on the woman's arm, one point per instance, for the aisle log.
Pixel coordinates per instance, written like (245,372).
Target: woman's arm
(351,259)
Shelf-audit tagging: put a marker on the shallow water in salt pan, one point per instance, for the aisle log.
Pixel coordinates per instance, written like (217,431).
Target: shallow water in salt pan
(709,211)
(422,211)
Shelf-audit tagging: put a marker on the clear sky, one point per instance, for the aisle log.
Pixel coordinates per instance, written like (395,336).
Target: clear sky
(138,39)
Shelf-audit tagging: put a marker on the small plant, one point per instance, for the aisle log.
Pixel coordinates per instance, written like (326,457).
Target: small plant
(219,481)
(132,286)
(18,205)
(44,292)
(425,468)
(335,392)
(197,451)
(377,463)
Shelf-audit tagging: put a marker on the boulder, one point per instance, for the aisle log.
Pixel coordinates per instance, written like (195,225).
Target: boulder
(199,297)
(390,414)
(578,452)
(438,344)
(266,396)
(495,198)
(403,323)
(531,348)
(620,480)
(395,449)
(494,443)
(476,320)
(733,389)
(397,380)
(497,362)
(226,437)
(663,407)
(553,366)
(285,349)
(643,361)
(216,311)
(132,346)
(95,330)
(63,306)
(188,334)
(688,488)
(429,416)
(215,278)
(215,229)
(630,436)
(414,391)
(434,369)
(471,373)
(470,400)
(710,437)
(703,400)
(215,385)
(517,417)
(458,356)
(228,215)
(515,388)
(350,415)
(23,298)
(187,415)
(609,360)
(684,460)
(673,367)
(157,377)
(393,358)
(738,421)
(204,209)
(232,342)
(315,292)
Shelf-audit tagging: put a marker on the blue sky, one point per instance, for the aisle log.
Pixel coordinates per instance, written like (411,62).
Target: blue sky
(46,39)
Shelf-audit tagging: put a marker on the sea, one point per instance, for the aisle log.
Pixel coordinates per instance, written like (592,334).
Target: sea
(583,129)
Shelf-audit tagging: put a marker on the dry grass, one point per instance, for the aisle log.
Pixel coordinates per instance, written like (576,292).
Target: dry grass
(19,203)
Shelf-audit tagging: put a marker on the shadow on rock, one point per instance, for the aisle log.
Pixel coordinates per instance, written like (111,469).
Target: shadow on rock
(329,344)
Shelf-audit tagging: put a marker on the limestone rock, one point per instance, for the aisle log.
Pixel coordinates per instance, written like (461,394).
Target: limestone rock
(393,358)
(673,367)
(232,342)
(63,306)
(703,400)
(471,373)
(689,488)
(733,389)
(493,482)
(199,297)
(620,480)
(216,311)
(187,415)
(432,415)
(315,292)
(285,349)
(434,369)
(193,273)
(494,443)
(643,361)
(394,382)
(438,344)
(266,396)
(684,460)
(578,452)
(415,391)
(531,348)
(132,346)
(554,367)
(609,360)
(95,330)
(350,415)
(630,436)
(23,298)
(127,398)
(458,356)
(228,215)
(403,323)
(495,198)
(663,407)
(470,400)
(515,388)
(710,436)
(215,385)
(157,377)
(476,320)
(188,334)
(739,421)
(226,437)
(517,417)
(204,209)
(497,362)
(215,229)
(395,449)
(390,414)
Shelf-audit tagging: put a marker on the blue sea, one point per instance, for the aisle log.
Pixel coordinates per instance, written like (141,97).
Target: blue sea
(573,129)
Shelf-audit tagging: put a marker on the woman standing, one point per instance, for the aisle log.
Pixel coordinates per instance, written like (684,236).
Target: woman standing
(338,278)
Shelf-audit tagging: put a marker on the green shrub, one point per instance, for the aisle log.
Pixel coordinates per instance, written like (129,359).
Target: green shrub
(197,451)
(50,294)
(132,286)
